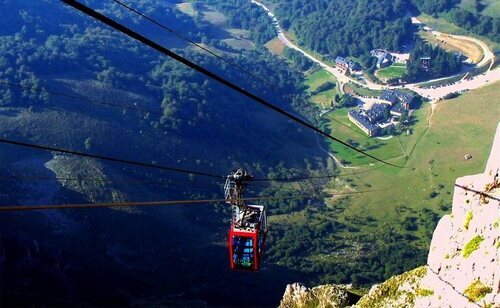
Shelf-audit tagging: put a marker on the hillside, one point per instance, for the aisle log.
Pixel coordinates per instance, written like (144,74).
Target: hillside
(462,265)
(142,107)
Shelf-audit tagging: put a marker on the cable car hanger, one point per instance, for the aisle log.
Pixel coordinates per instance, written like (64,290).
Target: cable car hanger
(248,230)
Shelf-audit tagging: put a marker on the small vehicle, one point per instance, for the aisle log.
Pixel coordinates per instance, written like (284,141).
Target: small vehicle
(248,231)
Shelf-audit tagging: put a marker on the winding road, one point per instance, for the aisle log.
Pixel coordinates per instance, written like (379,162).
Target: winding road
(490,76)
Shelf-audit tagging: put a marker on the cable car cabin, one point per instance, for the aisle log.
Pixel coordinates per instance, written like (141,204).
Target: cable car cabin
(247,235)
(247,238)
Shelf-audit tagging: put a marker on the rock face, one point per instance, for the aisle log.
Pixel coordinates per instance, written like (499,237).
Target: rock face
(463,266)
(464,252)
(297,295)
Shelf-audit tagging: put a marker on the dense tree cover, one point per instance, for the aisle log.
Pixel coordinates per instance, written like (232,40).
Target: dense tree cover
(475,22)
(201,126)
(243,14)
(298,60)
(31,53)
(347,100)
(342,253)
(441,63)
(187,93)
(32,47)
(348,27)
(472,21)
(433,7)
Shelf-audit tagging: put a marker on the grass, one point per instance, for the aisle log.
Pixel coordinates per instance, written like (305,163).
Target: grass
(397,70)
(213,16)
(316,79)
(435,159)
(472,246)
(468,218)
(276,47)
(492,8)
(441,25)
(239,44)
(425,292)
(351,87)
(477,290)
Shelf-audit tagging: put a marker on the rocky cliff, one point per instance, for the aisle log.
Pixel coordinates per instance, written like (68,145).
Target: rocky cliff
(463,268)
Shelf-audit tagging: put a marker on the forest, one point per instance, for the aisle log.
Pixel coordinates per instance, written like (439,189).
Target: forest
(245,15)
(472,21)
(353,28)
(348,28)
(441,63)
(183,120)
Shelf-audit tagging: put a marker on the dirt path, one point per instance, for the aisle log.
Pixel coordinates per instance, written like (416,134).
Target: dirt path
(337,161)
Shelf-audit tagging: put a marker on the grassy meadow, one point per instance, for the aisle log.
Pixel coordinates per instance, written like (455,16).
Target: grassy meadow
(315,80)
(406,200)
(435,152)
(397,70)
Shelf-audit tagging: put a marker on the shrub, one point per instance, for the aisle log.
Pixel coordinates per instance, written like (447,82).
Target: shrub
(472,246)
(433,194)
(425,292)
(468,218)
(477,290)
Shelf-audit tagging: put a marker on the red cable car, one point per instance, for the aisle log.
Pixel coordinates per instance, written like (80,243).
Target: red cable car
(247,235)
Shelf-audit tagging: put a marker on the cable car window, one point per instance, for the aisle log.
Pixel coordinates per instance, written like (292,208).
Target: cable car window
(243,254)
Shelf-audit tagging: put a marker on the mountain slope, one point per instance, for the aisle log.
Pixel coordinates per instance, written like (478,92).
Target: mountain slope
(462,266)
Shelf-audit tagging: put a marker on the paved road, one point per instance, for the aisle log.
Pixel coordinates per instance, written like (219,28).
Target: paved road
(433,94)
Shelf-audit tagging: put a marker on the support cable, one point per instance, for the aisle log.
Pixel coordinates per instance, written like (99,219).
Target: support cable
(108,158)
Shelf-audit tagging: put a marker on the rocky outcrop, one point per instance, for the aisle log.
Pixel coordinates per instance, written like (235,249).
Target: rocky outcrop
(298,296)
(463,267)
(397,291)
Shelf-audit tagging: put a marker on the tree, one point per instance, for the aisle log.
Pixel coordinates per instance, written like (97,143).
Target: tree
(348,101)
(404,117)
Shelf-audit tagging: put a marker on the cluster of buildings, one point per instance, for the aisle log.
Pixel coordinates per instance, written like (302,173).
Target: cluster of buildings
(392,103)
(347,64)
(384,58)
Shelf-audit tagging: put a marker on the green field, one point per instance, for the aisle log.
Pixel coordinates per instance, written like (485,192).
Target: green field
(492,8)
(351,87)
(397,70)
(456,128)
(401,205)
(316,79)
